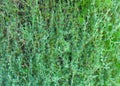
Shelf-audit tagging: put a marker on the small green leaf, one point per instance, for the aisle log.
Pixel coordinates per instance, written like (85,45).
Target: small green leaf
(81,20)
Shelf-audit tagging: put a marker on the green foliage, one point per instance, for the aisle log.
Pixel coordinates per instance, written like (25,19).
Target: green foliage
(59,43)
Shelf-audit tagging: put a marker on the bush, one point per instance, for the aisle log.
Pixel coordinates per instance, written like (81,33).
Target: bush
(59,42)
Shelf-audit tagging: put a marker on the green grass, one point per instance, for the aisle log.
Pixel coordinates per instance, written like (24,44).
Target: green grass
(60,43)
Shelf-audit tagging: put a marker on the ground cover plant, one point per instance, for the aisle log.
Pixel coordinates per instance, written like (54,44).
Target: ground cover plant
(59,43)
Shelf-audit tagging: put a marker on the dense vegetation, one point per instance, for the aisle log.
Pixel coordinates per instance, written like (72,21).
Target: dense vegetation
(59,43)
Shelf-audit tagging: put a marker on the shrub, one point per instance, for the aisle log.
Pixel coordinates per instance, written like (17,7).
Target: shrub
(57,42)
